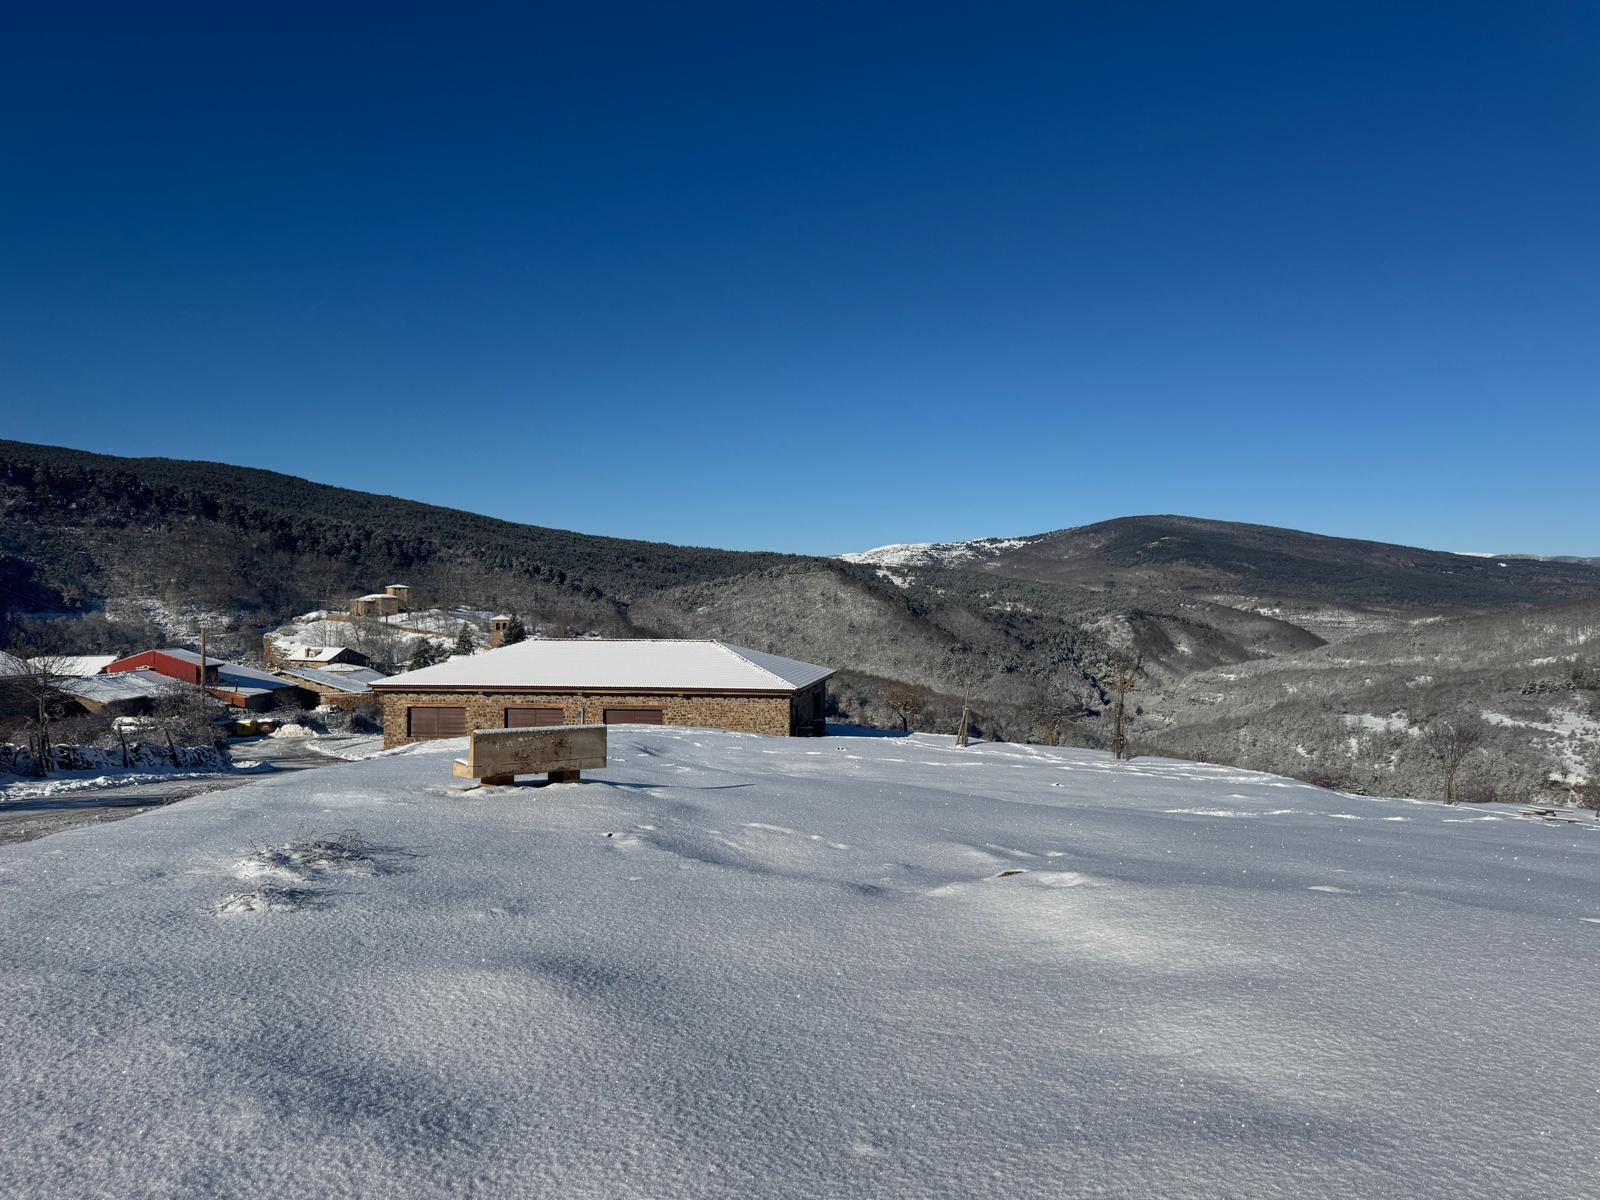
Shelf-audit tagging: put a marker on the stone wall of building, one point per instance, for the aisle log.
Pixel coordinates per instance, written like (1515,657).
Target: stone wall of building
(349,701)
(486,710)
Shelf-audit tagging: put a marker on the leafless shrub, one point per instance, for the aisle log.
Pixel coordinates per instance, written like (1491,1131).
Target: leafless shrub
(268,898)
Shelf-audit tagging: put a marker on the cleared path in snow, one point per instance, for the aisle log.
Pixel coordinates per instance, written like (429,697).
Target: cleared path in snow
(27,817)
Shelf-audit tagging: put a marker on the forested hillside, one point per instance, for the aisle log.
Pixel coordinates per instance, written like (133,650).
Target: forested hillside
(1283,650)
(81,527)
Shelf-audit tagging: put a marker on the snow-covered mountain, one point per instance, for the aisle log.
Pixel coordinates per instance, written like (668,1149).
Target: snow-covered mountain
(736,966)
(935,554)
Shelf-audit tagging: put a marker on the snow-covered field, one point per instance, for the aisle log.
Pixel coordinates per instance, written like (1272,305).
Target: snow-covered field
(739,966)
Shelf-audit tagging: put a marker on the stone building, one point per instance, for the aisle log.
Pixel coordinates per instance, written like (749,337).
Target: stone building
(579,681)
(336,685)
(378,604)
(393,599)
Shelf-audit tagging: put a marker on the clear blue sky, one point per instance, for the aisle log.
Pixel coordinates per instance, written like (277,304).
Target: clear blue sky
(815,278)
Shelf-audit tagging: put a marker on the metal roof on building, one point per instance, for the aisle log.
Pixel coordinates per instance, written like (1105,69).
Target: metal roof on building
(78,664)
(142,684)
(182,655)
(354,680)
(594,664)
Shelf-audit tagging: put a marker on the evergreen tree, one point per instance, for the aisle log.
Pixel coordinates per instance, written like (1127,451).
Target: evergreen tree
(514,632)
(465,642)
(424,654)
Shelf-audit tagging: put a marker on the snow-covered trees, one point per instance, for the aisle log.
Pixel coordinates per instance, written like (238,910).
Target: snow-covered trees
(466,642)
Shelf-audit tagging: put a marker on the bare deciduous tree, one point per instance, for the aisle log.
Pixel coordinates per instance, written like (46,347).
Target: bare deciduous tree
(1448,741)
(1053,705)
(1588,792)
(31,688)
(907,701)
(380,643)
(1123,672)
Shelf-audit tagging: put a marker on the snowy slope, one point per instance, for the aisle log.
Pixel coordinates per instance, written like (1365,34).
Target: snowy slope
(738,966)
(935,554)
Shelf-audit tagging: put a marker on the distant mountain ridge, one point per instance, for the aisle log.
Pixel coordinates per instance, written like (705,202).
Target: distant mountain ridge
(1233,621)
(1194,554)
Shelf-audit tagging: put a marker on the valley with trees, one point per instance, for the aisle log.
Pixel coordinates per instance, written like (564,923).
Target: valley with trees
(1336,661)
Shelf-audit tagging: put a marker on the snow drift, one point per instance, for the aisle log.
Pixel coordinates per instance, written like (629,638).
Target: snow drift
(738,966)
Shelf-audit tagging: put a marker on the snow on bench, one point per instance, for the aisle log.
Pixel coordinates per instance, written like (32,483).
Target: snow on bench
(561,752)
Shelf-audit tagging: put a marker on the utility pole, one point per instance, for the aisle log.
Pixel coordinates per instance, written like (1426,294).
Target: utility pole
(202,658)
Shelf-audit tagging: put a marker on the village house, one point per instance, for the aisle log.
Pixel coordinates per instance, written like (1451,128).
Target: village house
(238,686)
(293,655)
(78,665)
(174,662)
(337,685)
(120,694)
(387,603)
(578,681)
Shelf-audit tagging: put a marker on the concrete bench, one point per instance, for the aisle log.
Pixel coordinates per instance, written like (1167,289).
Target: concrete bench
(498,756)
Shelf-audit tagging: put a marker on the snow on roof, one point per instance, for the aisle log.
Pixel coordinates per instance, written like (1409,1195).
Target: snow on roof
(10,664)
(182,655)
(245,678)
(124,685)
(79,664)
(377,596)
(315,653)
(354,680)
(670,665)
(355,669)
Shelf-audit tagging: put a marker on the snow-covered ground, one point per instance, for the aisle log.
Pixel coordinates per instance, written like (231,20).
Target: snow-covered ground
(61,783)
(99,767)
(739,966)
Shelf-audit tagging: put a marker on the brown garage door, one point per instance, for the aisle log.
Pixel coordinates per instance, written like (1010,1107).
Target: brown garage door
(533,718)
(436,722)
(633,716)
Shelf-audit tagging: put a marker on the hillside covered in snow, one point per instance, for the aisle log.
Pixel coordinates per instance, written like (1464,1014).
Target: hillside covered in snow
(856,966)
